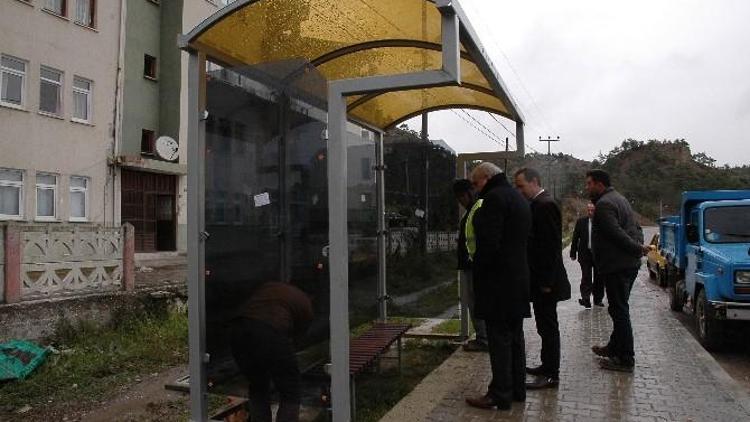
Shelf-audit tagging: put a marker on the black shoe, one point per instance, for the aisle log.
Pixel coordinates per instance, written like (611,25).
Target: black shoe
(543,382)
(487,402)
(617,364)
(585,303)
(538,370)
(475,346)
(602,351)
(599,303)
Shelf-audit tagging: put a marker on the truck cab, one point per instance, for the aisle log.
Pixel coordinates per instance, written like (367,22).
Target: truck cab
(709,261)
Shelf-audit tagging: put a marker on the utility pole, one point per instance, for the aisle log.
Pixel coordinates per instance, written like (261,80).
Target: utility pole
(549,142)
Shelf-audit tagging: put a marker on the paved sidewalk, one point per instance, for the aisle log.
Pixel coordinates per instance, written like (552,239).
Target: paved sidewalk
(674,379)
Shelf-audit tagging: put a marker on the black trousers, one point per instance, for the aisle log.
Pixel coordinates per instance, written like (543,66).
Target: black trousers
(264,355)
(618,287)
(590,282)
(545,314)
(507,350)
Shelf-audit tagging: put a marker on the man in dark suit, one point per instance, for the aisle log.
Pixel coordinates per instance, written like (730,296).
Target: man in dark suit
(580,248)
(617,247)
(549,281)
(501,283)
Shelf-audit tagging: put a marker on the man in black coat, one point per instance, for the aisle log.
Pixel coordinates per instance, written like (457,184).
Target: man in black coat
(501,283)
(549,281)
(580,248)
(617,247)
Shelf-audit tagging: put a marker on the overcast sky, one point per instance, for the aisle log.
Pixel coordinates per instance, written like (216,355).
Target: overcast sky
(597,72)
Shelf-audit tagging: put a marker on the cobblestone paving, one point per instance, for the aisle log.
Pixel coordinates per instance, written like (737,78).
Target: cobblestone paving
(674,378)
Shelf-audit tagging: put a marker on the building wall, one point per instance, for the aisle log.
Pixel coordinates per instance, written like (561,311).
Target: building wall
(37,143)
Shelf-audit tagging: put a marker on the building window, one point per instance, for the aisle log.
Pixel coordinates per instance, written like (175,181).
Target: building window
(82,99)
(79,198)
(46,196)
(13,81)
(86,12)
(149,66)
(11,194)
(58,7)
(147,142)
(50,91)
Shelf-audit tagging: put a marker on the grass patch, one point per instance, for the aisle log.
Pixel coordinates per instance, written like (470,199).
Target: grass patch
(94,361)
(451,326)
(431,304)
(378,393)
(415,271)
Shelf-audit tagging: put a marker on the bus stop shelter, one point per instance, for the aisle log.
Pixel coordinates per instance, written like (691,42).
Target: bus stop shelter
(383,62)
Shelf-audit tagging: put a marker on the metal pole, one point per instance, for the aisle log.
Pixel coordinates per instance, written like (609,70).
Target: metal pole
(425,157)
(338,257)
(196,238)
(463,308)
(382,266)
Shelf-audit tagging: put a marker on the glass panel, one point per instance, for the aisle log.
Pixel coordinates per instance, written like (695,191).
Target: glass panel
(50,74)
(78,182)
(82,84)
(45,202)
(10,200)
(390,108)
(80,106)
(83,12)
(14,64)
(45,179)
(422,229)
(49,97)
(12,88)
(11,175)
(55,6)
(78,204)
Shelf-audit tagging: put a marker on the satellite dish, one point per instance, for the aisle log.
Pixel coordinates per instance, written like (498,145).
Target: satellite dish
(167,148)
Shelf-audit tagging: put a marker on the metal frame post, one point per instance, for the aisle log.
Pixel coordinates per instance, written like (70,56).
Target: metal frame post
(380,186)
(463,307)
(197,237)
(450,74)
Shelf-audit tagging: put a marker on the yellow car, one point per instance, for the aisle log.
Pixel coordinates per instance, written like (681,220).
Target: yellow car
(656,263)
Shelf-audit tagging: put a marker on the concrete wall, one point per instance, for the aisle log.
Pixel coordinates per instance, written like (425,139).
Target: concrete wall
(38,143)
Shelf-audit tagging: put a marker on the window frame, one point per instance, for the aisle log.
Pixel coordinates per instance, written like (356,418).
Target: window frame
(20,186)
(89,99)
(63,13)
(46,186)
(92,12)
(23,75)
(152,67)
(85,191)
(61,86)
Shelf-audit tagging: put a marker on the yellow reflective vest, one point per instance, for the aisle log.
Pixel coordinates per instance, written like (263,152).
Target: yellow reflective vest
(471,240)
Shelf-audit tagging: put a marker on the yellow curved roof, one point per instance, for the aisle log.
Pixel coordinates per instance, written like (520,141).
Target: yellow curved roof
(347,39)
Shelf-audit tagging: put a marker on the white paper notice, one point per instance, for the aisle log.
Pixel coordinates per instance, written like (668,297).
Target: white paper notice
(262,199)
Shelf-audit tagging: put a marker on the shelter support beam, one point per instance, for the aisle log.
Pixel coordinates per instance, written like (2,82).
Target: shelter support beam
(341,397)
(382,230)
(197,237)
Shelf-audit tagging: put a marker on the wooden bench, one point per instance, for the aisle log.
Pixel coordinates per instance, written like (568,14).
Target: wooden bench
(366,349)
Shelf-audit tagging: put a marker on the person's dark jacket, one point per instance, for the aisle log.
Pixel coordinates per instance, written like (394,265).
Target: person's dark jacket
(545,249)
(579,246)
(616,236)
(464,263)
(501,270)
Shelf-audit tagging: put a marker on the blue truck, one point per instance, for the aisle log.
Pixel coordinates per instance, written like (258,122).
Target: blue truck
(707,248)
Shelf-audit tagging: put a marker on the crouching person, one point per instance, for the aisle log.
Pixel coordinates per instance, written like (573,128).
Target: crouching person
(262,342)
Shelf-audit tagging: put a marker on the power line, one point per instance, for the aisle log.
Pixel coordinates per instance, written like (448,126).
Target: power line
(489,135)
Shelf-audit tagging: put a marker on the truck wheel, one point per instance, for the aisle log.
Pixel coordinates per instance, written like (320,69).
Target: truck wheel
(710,333)
(675,298)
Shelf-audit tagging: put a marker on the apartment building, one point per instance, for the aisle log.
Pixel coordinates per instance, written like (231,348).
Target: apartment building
(58,72)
